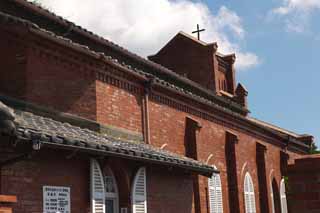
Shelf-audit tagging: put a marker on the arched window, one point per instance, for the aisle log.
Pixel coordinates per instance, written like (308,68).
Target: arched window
(139,192)
(249,198)
(215,194)
(284,208)
(111,192)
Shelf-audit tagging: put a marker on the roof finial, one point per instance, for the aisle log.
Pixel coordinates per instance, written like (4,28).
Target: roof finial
(198,31)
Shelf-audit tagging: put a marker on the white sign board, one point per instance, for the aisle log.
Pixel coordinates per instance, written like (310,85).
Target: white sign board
(56,199)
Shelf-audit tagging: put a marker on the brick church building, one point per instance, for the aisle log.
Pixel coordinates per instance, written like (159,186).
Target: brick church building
(87,126)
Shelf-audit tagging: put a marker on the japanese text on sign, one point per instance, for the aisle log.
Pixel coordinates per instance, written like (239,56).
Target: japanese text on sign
(56,199)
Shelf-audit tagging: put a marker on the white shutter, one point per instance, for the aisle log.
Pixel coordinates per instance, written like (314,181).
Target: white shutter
(139,194)
(212,192)
(97,188)
(215,194)
(272,199)
(283,197)
(246,195)
(219,195)
(249,196)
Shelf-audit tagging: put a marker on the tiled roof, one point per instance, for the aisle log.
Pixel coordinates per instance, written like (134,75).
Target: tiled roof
(31,127)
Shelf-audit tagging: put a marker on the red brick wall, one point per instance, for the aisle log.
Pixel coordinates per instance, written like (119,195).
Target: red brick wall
(187,57)
(169,191)
(57,85)
(45,76)
(118,107)
(26,178)
(13,56)
(211,140)
(167,127)
(303,186)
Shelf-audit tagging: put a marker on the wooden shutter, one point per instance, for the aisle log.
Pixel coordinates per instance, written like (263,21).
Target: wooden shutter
(283,197)
(97,188)
(139,194)
(215,194)
(249,196)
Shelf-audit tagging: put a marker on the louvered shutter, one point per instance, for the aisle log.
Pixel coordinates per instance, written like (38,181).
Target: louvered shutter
(252,197)
(215,194)
(139,194)
(249,196)
(219,195)
(272,199)
(97,188)
(284,208)
(246,195)
(212,197)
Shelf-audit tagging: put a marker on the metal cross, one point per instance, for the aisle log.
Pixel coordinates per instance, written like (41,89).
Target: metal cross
(198,31)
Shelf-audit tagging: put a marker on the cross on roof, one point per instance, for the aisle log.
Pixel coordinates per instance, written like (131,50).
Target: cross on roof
(198,31)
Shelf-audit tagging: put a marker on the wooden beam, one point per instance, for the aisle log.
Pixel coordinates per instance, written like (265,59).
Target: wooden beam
(5,210)
(8,199)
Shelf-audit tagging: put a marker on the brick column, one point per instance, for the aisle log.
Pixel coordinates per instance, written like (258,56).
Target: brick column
(262,177)
(284,157)
(304,185)
(190,141)
(230,154)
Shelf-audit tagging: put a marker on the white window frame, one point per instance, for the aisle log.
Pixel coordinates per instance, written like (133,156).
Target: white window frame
(109,195)
(249,195)
(283,197)
(215,193)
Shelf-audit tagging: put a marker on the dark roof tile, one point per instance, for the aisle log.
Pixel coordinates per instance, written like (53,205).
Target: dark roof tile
(46,130)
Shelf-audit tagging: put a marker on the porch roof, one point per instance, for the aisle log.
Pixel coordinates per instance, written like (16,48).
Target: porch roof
(32,128)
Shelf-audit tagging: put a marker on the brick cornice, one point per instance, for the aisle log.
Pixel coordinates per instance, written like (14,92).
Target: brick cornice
(121,77)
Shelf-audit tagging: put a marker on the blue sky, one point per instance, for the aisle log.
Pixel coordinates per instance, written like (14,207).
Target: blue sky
(284,87)
(277,43)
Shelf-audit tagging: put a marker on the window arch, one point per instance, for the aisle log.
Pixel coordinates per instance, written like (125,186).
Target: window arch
(111,192)
(249,198)
(215,193)
(283,197)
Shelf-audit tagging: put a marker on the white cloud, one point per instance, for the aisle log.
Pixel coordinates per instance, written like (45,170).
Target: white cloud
(296,13)
(144,26)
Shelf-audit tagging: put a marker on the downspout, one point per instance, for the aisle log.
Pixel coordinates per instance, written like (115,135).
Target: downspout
(145,111)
